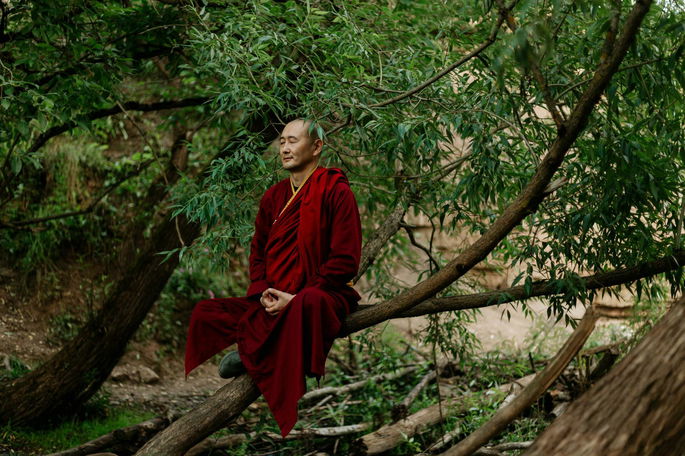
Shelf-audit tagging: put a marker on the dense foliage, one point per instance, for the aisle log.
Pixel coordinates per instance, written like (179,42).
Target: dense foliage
(79,79)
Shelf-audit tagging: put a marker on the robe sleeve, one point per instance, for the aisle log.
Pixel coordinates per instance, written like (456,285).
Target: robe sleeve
(258,281)
(342,262)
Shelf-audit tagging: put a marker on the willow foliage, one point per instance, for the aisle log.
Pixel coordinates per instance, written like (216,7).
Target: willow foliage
(458,150)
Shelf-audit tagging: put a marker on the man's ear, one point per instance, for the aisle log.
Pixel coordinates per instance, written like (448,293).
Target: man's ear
(318,146)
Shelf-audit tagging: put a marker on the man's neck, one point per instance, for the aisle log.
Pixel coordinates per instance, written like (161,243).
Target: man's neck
(297,177)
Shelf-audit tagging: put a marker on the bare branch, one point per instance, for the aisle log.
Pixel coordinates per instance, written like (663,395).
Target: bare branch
(416,244)
(480,48)
(340,390)
(321,432)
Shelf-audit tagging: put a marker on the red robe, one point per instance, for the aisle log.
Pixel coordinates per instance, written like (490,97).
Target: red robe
(311,250)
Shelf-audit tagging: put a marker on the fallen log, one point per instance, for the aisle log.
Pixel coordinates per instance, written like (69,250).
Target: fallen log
(336,431)
(391,435)
(128,438)
(530,393)
(338,390)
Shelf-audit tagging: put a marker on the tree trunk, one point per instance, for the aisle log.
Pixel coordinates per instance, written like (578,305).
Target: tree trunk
(71,377)
(636,409)
(221,408)
(76,372)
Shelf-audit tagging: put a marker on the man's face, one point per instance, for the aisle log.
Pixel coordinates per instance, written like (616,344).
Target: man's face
(297,150)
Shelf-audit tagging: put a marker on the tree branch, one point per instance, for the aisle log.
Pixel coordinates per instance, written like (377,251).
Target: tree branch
(539,78)
(528,200)
(545,288)
(91,206)
(530,393)
(416,244)
(380,237)
(100,113)
(480,48)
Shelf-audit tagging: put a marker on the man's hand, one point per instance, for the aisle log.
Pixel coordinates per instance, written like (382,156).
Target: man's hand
(275,300)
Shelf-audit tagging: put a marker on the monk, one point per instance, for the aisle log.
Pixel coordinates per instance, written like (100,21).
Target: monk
(305,250)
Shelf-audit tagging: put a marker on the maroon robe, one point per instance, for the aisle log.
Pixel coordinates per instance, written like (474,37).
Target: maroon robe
(311,250)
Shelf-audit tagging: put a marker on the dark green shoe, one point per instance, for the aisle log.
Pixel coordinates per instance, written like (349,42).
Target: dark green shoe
(231,366)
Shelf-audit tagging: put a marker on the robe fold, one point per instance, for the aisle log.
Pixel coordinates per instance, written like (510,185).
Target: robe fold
(312,250)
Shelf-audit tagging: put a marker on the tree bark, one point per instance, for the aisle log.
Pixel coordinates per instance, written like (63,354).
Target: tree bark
(222,407)
(636,409)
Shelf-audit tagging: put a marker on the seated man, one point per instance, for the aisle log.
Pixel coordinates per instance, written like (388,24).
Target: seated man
(305,250)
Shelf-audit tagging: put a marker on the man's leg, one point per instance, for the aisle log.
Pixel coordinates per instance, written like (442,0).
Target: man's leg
(213,326)
(279,351)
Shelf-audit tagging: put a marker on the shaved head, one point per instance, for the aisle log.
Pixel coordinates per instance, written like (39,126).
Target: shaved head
(300,145)
(309,126)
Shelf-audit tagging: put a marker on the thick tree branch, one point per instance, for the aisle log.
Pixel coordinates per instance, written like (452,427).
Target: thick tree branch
(529,199)
(545,288)
(230,400)
(100,113)
(530,393)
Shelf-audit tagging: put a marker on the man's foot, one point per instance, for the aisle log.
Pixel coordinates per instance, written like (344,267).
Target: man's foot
(231,366)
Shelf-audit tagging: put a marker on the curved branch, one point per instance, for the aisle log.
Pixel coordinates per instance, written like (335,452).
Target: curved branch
(481,47)
(530,393)
(100,113)
(532,195)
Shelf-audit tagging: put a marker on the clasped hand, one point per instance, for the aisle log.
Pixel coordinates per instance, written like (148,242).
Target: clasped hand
(275,300)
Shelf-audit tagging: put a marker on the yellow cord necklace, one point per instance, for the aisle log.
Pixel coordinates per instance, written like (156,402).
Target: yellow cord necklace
(295,191)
